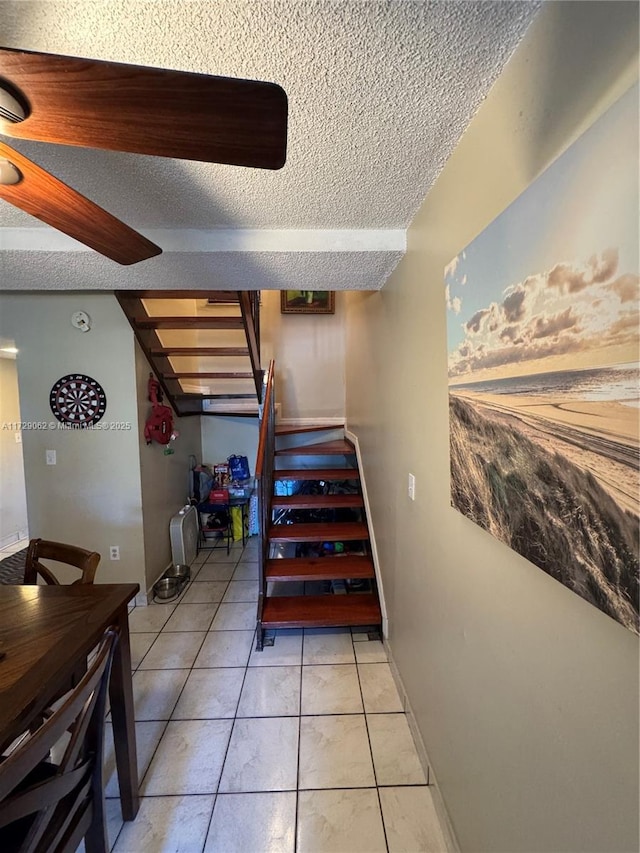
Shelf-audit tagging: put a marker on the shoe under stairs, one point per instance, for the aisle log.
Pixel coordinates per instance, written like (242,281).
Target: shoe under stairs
(320,570)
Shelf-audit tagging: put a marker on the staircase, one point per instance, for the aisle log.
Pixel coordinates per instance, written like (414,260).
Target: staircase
(317,569)
(203,346)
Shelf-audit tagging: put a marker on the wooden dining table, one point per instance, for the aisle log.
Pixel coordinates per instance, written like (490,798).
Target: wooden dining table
(45,633)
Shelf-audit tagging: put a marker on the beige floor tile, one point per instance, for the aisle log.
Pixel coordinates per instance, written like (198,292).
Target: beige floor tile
(191,617)
(340,822)
(225,648)
(395,757)
(371,651)
(262,756)
(411,821)
(140,645)
(215,572)
(241,591)
(150,618)
(156,691)
(189,758)
(326,645)
(331,689)
(174,650)
(270,691)
(334,752)
(210,694)
(148,736)
(286,651)
(379,689)
(219,555)
(246,571)
(203,592)
(235,617)
(244,823)
(176,824)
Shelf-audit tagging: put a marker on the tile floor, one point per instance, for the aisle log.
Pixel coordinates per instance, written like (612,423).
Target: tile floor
(302,747)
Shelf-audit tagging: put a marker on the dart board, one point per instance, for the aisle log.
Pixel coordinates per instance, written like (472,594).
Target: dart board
(78,400)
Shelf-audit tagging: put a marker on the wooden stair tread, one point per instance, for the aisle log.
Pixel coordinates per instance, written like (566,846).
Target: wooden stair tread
(316,474)
(324,448)
(316,501)
(285,429)
(214,296)
(318,611)
(339,531)
(319,569)
(203,375)
(189,323)
(216,351)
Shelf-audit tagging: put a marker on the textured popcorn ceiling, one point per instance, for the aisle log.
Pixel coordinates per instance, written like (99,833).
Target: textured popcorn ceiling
(379,94)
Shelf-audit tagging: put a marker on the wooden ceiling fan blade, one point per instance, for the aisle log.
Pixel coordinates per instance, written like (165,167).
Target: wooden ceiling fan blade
(42,195)
(142,110)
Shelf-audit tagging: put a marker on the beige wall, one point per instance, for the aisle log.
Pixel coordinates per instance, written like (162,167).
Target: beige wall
(13,501)
(309,354)
(526,695)
(223,436)
(164,479)
(92,496)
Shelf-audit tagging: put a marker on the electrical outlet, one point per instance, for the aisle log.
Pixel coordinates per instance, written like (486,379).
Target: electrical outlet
(114,552)
(412,487)
(50,456)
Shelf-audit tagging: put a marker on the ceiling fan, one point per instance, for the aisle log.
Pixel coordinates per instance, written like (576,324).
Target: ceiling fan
(117,107)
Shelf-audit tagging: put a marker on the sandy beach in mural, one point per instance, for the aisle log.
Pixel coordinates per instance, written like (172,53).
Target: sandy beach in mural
(600,437)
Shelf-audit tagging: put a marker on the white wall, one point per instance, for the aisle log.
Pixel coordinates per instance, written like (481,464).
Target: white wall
(223,436)
(309,354)
(164,478)
(13,501)
(92,496)
(526,695)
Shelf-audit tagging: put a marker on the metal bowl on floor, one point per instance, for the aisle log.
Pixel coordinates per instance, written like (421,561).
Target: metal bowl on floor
(166,588)
(180,571)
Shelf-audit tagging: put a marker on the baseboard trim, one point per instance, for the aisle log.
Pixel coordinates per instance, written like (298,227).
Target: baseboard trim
(12,538)
(353,438)
(438,802)
(142,599)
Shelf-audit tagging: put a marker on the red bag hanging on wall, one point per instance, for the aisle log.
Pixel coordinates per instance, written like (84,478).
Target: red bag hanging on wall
(159,425)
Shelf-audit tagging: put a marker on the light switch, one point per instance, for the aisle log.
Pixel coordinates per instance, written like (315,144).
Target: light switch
(51,457)
(412,487)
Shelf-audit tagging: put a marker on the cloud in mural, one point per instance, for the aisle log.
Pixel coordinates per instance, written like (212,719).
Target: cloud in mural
(454,304)
(573,307)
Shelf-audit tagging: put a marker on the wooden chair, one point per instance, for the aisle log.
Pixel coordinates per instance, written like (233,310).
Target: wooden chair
(48,807)
(70,555)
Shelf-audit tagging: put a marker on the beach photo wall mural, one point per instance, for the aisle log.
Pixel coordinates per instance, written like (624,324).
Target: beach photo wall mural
(544,381)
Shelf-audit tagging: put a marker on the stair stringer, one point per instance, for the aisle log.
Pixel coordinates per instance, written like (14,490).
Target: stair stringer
(353,438)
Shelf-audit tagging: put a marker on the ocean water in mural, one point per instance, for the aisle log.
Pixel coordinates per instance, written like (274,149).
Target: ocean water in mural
(544,380)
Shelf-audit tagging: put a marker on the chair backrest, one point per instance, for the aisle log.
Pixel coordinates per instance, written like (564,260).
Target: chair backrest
(59,552)
(51,807)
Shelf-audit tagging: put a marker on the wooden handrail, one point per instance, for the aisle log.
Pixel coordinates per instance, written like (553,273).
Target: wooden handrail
(264,483)
(264,424)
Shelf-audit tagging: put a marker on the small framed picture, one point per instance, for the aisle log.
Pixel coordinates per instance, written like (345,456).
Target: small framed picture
(307,302)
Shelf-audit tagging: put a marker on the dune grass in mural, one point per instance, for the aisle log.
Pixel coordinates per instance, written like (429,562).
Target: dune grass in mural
(544,384)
